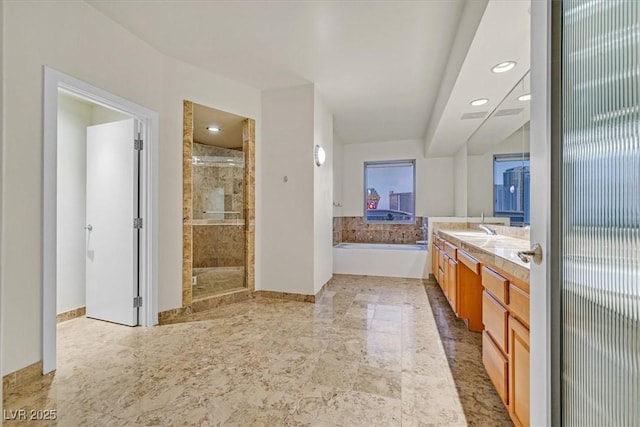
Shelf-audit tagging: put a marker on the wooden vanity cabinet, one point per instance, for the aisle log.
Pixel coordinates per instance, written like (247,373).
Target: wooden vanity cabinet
(469,295)
(444,265)
(505,341)
(518,372)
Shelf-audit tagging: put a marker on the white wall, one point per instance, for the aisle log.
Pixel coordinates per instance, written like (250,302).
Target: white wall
(338,157)
(434,176)
(480,173)
(2,180)
(73,119)
(76,39)
(288,209)
(323,196)
(460,182)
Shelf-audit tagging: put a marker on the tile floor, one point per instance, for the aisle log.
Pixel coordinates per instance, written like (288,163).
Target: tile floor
(367,353)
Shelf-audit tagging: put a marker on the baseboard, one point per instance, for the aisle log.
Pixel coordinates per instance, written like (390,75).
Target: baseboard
(21,376)
(285,296)
(175,315)
(71,314)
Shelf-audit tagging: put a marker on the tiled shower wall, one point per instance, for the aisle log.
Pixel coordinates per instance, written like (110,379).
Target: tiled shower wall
(218,246)
(208,178)
(353,229)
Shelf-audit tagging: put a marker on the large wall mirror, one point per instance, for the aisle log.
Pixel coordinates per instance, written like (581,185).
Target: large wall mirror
(219,197)
(498,160)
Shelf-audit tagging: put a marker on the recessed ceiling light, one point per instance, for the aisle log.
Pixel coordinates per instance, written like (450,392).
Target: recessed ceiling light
(479,101)
(213,129)
(503,66)
(525,97)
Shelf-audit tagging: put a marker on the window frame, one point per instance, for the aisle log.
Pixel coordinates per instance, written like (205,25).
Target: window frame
(522,156)
(407,162)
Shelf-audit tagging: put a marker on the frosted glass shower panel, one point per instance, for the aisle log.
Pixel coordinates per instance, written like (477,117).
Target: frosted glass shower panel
(601,213)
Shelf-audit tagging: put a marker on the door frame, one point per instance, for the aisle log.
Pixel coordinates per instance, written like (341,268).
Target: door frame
(546,221)
(148,252)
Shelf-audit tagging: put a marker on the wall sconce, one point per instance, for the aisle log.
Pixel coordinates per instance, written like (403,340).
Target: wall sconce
(319,155)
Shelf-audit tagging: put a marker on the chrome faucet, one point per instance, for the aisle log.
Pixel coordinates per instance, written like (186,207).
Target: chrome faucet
(490,231)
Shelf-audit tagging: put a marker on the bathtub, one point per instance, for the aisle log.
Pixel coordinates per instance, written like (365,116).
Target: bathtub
(381,259)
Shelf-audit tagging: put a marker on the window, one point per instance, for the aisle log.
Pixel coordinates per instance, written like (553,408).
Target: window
(511,180)
(389,191)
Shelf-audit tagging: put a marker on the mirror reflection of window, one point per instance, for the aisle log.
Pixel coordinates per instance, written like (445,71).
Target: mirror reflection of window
(511,187)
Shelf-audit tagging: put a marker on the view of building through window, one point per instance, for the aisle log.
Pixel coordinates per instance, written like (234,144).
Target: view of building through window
(389,191)
(511,191)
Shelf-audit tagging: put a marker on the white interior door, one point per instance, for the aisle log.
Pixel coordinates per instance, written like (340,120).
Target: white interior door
(585,152)
(112,205)
(542,391)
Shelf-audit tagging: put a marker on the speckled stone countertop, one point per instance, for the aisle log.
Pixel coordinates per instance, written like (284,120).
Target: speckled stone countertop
(498,251)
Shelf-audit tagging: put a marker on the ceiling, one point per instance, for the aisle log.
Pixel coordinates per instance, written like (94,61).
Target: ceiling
(230,125)
(378,65)
(502,35)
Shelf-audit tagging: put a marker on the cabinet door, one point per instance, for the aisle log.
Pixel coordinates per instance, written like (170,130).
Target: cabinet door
(496,365)
(518,372)
(445,270)
(452,288)
(434,261)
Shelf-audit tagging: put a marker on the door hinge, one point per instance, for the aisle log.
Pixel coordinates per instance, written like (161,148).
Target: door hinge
(137,144)
(137,302)
(137,223)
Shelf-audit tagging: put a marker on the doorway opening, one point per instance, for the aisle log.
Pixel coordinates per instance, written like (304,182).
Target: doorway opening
(100,209)
(218,206)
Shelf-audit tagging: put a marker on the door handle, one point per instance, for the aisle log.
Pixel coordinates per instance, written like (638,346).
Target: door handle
(88,227)
(535,253)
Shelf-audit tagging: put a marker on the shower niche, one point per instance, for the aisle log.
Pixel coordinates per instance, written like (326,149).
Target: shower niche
(218,169)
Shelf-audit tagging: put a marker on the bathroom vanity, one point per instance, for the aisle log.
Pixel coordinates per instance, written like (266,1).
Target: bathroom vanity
(487,285)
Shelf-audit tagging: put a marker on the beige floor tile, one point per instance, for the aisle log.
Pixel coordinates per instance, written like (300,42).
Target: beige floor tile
(368,352)
(378,381)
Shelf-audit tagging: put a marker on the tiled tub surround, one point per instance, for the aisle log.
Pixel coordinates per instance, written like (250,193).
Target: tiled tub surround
(368,352)
(337,230)
(353,229)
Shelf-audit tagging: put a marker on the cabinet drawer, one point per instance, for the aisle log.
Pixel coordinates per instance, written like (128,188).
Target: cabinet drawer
(519,304)
(496,284)
(495,318)
(450,250)
(496,365)
(472,263)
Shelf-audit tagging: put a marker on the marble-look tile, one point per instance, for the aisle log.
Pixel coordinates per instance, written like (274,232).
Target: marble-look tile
(275,362)
(378,381)
(334,371)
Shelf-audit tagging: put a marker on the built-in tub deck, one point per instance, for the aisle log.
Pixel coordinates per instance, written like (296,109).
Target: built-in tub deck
(381,259)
